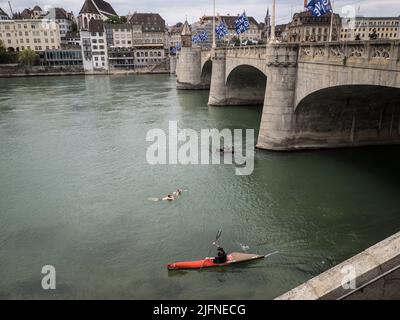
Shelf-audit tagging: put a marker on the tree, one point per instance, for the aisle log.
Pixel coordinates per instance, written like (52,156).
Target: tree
(74,27)
(27,57)
(5,56)
(236,41)
(117,20)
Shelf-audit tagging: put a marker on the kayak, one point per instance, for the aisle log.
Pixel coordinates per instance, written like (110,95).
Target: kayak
(233,258)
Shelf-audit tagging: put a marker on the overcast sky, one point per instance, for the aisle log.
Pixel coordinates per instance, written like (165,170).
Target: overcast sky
(176,10)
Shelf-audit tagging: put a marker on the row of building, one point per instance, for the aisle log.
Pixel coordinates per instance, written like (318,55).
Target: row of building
(139,40)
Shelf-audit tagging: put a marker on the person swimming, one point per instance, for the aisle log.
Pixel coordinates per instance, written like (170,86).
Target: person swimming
(178,192)
(169,197)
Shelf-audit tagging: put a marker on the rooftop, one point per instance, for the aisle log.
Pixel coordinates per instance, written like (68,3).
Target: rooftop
(148,21)
(96,25)
(89,7)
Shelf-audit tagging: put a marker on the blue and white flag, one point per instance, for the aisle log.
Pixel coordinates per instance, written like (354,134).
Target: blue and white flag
(221,30)
(203,36)
(319,8)
(242,24)
(200,37)
(176,49)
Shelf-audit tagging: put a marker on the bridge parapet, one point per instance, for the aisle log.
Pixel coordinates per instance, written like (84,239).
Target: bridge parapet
(250,52)
(384,54)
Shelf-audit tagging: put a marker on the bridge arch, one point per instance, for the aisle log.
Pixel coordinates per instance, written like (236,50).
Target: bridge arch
(348,115)
(206,72)
(246,85)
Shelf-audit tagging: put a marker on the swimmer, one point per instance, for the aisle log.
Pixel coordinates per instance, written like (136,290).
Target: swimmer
(177,192)
(169,198)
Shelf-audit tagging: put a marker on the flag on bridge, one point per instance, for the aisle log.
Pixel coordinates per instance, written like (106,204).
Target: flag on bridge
(242,23)
(176,49)
(221,30)
(200,37)
(319,8)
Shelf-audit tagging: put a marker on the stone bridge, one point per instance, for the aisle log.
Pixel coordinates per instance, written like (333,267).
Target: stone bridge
(315,95)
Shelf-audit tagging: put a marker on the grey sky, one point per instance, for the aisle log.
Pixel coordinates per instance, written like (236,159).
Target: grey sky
(176,10)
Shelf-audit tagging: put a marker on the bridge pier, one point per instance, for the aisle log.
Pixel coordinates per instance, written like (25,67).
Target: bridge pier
(188,70)
(278,120)
(217,95)
(172,64)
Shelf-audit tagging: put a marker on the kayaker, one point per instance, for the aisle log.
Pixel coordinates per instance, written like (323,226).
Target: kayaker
(221,255)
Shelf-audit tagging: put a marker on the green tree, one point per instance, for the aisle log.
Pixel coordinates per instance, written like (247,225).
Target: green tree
(117,20)
(74,27)
(5,56)
(27,57)
(236,41)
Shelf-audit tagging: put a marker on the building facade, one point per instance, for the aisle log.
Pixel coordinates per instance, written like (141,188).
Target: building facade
(119,35)
(121,58)
(94,47)
(306,28)
(70,57)
(174,35)
(148,55)
(35,34)
(148,29)
(362,27)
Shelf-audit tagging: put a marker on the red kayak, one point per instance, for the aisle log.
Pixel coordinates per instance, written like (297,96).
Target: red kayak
(233,258)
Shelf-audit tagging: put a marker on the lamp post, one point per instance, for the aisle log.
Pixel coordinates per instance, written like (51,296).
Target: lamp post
(332,15)
(272,39)
(214,44)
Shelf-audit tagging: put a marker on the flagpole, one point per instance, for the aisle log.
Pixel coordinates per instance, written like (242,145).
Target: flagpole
(332,14)
(214,44)
(272,39)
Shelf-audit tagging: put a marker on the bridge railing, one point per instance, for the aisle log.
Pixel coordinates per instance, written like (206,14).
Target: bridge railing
(383,54)
(251,52)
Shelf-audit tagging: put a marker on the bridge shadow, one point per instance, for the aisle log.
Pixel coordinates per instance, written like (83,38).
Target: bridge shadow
(379,161)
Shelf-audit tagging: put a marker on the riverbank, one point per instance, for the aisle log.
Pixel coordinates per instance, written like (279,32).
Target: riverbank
(16,71)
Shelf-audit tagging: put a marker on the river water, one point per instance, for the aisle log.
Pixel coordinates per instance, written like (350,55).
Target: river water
(75,188)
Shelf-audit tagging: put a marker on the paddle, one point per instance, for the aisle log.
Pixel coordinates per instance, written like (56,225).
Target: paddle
(218,235)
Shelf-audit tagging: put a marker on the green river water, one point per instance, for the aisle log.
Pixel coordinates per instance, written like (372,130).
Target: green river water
(75,188)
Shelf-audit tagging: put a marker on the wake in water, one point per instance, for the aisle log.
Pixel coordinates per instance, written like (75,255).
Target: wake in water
(171,197)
